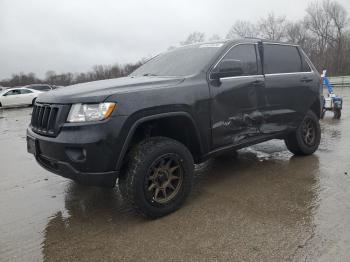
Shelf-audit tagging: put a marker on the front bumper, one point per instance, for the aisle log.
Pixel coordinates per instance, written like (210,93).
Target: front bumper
(103,179)
(86,153)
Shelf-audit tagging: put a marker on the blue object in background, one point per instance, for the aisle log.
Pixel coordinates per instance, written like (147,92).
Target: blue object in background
(328,84)
(338,102)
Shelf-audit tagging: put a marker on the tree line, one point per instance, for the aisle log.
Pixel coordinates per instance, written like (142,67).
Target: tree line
(98,72)
(323,33)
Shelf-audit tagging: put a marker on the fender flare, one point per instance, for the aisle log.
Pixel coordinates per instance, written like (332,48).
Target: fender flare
(144,119)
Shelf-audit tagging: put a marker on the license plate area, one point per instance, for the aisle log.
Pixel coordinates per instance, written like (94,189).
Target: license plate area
(32,145)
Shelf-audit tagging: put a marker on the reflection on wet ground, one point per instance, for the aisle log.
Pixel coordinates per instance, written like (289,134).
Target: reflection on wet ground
(262,205)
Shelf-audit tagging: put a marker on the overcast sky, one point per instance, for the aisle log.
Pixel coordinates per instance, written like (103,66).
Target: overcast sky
(73,35)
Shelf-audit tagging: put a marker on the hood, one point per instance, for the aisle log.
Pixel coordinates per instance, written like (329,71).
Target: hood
(98,91)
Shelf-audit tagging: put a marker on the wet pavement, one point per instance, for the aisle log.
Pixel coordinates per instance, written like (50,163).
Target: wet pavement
(263,205)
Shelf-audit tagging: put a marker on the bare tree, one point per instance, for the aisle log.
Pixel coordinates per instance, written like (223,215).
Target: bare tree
(242,29)
(215,37)
(296,32)
(98,72)
(319,23)
(273,27)
(340,21)
(50,77)
(195,37)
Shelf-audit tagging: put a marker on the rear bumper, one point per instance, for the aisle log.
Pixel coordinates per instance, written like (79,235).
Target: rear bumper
(86,153)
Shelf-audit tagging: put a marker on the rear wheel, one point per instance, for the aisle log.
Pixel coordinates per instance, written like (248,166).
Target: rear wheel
(306,138)
(158,177)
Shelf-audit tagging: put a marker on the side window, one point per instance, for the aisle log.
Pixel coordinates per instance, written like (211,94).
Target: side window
(12,92)
(246,54)
(26,91)
(281,59)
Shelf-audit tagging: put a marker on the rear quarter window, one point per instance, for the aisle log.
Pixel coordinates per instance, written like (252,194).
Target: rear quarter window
(279,59)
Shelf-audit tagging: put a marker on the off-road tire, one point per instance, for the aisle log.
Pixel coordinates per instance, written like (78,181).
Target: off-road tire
(295,141)
(133,182)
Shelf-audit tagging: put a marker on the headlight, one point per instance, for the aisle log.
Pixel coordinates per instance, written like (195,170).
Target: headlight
(90,112)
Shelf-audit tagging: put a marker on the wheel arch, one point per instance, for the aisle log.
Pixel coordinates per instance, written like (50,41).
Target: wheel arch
(316,107)
(163,125)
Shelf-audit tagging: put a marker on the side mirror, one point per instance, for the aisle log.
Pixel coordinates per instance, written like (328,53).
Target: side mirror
(227,68)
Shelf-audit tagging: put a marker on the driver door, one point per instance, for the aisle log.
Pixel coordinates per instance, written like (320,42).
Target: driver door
(236,100)
(11,97)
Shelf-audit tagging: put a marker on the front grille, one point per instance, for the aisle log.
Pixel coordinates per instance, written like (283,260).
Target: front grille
(47,119)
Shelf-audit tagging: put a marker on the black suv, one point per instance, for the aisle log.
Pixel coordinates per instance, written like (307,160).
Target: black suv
(178,109)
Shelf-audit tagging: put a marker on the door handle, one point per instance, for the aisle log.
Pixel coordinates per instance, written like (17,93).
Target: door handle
(306,79)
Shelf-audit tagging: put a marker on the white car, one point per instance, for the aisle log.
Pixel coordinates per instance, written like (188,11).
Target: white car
(18,97)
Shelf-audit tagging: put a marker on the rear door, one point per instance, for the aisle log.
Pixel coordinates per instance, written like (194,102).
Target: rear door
(236,101)
(27,96)
(285,89)
(311,81)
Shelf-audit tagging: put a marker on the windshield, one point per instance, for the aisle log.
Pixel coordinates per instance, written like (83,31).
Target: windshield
(183,61)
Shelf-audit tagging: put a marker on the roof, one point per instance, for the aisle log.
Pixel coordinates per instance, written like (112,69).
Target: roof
(242,40)
(28,86)
(20,87)
(256,39)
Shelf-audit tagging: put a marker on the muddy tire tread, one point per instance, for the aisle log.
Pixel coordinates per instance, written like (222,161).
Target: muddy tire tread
(294,141)
(136,158)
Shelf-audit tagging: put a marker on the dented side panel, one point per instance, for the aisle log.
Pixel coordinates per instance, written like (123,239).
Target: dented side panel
(235,109)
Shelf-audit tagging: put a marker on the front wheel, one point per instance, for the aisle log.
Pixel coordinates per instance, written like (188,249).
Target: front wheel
(306,138)
(158,177)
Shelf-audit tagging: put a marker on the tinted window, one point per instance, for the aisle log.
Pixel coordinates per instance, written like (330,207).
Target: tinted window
(182,61)
(281,59)
(26,91)
(247,56)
